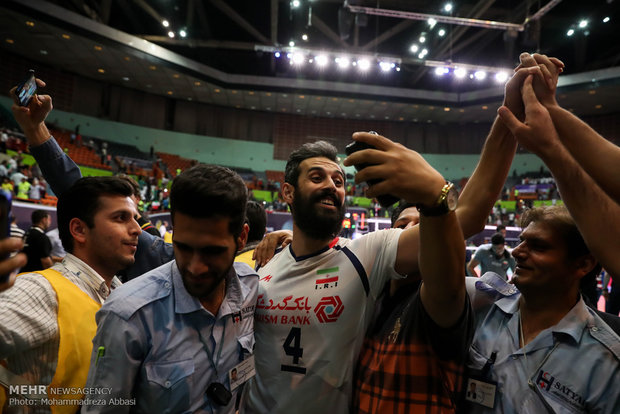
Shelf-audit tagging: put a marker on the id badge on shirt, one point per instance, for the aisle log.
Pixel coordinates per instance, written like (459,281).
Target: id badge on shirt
(481,391)
(242,372)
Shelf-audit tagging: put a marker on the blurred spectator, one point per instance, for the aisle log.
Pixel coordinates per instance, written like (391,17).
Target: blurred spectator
(23,189)
(15,230)
(37,245)
(37,190)
(493,258)
(17,177)
(58,252)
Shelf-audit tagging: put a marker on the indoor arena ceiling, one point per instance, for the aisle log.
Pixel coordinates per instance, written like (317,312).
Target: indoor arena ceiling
(224,53)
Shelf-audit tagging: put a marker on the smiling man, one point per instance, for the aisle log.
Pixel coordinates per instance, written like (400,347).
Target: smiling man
(48,317)
(169,340)
(317,295)
(540,348)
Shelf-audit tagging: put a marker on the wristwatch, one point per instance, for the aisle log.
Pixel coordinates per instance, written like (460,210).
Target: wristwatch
(447,201)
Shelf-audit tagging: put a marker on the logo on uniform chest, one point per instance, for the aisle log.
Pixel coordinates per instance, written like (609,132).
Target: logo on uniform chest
(326,278)
(327,309)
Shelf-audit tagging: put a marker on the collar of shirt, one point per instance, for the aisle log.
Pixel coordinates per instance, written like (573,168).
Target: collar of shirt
(570,326)
(39,229)
(91,278)
(186,303)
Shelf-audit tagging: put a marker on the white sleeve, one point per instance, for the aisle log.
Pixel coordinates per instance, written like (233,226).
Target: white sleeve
(377,252)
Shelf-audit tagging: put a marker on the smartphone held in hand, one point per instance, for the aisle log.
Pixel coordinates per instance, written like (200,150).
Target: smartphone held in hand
(26,89)
(385,200)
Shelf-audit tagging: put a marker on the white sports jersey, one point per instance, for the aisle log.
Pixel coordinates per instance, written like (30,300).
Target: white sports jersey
(311,317)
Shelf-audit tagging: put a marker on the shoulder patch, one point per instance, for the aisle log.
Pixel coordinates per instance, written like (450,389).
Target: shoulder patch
(493,282)
(139,292)
(604,334)
(244,270)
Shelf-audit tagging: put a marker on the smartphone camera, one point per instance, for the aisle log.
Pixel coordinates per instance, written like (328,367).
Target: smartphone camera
(385,200)
(26,89)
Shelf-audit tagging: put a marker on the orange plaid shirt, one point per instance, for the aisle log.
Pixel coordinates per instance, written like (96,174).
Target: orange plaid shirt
(408,364)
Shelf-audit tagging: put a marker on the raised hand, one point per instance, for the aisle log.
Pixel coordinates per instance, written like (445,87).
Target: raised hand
(537,132)
(551,69)
(31,118)
(544,84)
(265,250)
(404,172)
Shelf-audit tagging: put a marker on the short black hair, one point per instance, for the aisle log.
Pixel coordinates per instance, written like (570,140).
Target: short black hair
(308,150)
(81,201)
(497,239)
(256,218)
(38,215)
(402,206)
(133,183)
(205,191)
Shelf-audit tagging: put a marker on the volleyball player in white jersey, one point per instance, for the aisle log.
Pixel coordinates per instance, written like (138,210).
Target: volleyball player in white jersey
(317,295)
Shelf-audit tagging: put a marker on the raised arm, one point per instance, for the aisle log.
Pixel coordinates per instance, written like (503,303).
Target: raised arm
(436,244)
(61,172)
(599,157)
(485,184)
(483,188)
(58,169)
(596,214)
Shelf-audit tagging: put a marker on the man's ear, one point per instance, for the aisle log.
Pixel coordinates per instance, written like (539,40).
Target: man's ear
(243,237)
(78,230)
(288,193)
(585,264)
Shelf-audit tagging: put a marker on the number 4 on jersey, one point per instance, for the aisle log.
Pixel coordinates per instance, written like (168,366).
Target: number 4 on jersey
(292,348)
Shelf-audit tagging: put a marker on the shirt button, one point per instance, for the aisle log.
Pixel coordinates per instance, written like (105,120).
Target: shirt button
(595,329)
(167,285)
(167,384)
(515,357)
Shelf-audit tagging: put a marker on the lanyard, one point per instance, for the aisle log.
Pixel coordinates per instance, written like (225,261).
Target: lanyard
(219,351)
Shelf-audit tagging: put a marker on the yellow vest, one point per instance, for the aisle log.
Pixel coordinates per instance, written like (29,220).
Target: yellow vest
(246,257)
(77,328)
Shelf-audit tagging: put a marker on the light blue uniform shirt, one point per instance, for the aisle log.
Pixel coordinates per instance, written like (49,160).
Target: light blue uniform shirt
(572,367)
(153,350)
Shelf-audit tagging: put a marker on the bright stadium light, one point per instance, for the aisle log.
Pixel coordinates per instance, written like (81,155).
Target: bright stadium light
(460,73)
(363,64)
(501,77)
(385,66)
(480,75)
(343,62)
(321,60)
(298,58)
